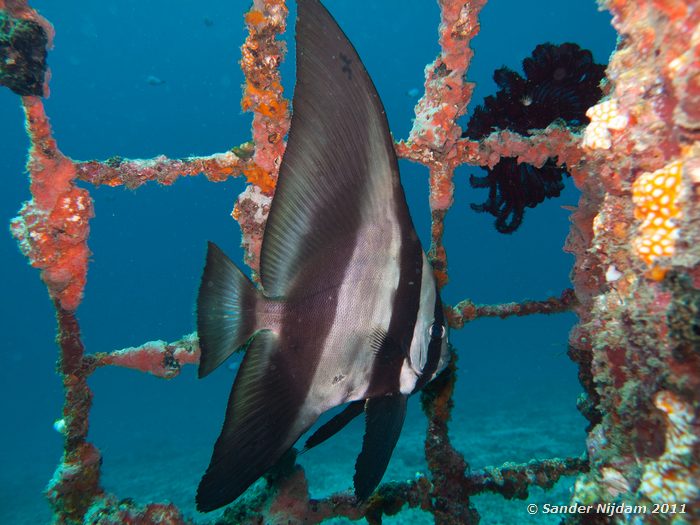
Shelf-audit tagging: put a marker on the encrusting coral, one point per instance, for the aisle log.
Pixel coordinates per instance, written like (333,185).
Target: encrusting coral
(655,197)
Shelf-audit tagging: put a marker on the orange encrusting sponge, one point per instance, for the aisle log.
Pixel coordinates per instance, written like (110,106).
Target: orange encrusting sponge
(261,178)
(655,197)
(254,17)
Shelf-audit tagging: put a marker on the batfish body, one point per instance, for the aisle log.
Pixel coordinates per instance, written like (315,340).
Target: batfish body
(349,311)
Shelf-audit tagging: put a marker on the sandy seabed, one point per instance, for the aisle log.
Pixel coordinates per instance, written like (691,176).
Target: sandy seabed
(506,431)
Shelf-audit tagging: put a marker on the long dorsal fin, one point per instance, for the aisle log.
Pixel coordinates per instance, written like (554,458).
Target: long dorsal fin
(339,170)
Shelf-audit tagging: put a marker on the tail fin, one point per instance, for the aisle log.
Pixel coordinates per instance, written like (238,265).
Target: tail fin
(226,307)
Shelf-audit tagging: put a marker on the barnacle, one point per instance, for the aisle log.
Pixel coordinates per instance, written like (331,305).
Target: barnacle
(561,82)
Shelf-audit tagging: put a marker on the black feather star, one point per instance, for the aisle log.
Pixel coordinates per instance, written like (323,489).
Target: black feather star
(561,82)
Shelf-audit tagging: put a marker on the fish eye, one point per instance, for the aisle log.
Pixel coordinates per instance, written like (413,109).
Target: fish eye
(437,331)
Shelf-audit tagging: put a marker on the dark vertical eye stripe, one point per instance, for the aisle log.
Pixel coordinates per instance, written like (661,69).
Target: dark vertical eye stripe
(434,346)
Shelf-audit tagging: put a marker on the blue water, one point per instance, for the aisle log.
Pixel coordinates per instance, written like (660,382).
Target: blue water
(517,389)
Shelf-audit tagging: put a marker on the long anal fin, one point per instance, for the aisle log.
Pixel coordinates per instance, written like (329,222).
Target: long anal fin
(384,419)
(335,424)
(263,420)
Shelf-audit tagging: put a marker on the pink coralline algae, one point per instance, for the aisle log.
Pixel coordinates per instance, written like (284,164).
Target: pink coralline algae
(53,227)
(157,358)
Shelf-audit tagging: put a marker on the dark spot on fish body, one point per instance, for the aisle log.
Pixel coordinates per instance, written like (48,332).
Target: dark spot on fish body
(347,62)
(337,379)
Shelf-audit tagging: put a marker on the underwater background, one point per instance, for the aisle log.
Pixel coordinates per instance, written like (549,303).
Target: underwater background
(139,79)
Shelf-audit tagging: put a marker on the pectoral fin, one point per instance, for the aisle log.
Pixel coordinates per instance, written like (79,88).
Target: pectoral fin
(384,419)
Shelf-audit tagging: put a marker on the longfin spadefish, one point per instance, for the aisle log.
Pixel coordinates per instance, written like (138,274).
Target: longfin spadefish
(339,170)
(338,182)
